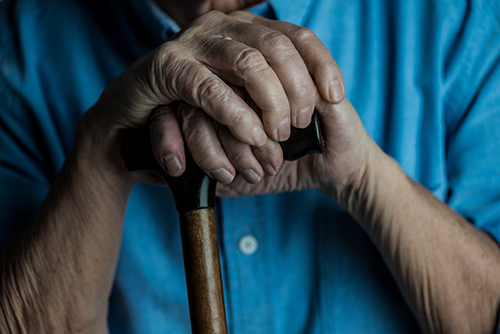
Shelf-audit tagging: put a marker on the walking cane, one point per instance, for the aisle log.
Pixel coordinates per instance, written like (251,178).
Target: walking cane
(194,194)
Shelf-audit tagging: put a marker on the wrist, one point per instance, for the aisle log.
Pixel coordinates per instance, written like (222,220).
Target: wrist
(98,151)
(377,177)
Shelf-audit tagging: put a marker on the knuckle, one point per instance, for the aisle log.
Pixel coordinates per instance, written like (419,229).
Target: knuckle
(302,34)
(274,154)
(304,93)
(240,158)
(184,109)
(277,42)
(211,89)
(215,14)
(169,67)
(165,53)
(211,18)
(270,153)
(206,157)
(235,119)
(159,114)
(178,76)
(249,60)
(192,122)
(239,13)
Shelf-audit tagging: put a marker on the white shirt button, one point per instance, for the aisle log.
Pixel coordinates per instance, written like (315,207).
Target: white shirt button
(248,244)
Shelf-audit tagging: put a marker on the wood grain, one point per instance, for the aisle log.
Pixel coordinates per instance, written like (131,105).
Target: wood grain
(203,275)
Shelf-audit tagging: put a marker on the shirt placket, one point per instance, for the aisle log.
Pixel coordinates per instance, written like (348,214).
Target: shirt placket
(245,259)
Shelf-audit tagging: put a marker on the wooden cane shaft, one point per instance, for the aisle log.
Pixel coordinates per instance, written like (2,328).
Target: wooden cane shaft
(203,275)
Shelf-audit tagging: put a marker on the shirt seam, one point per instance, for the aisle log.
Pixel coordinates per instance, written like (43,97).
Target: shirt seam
(466,67)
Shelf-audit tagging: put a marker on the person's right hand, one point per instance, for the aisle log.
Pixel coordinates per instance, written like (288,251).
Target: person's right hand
(279,65)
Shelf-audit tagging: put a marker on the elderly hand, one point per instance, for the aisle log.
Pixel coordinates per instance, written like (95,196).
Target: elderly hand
(273,62)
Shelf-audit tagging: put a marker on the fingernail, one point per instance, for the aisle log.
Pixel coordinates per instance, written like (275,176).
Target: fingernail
(172,164)
(269,169)
(250,175)
(284,130)
(259,137)
(304,118)
(336,91)
(222,175)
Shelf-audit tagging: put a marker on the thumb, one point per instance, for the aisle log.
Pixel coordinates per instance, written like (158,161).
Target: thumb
(166,140)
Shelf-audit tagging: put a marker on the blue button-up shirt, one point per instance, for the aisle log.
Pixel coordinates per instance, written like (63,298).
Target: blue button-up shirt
(424,77)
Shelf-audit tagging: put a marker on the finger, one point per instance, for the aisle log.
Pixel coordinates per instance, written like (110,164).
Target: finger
(245,66)
(243,94)
(319,61)
(204,145)
(166,140)
(240,155)
(270,155)
(250,161)
(194,83)
(283,57)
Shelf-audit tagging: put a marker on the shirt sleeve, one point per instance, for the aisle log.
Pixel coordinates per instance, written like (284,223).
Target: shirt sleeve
(473,124)
(24,166)
(33,136)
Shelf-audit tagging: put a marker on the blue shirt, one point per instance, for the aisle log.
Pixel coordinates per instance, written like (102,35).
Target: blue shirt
(424,77)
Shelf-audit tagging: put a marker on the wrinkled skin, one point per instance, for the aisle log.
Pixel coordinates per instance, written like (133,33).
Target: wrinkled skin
(200,84)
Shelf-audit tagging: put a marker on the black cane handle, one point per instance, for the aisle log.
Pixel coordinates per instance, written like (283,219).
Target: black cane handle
(304,141)
(192,190)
